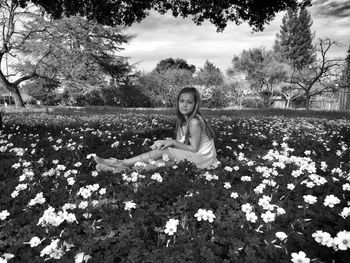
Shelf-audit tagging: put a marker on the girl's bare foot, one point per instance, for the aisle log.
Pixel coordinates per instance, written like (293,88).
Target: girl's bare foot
(108,168)
(99,160)
(110,161)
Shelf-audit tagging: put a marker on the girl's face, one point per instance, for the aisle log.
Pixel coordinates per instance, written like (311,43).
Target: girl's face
(186,103)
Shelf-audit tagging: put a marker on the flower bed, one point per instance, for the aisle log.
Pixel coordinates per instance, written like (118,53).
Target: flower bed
(280,195)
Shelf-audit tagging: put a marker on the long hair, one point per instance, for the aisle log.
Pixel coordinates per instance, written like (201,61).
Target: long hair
(180,119)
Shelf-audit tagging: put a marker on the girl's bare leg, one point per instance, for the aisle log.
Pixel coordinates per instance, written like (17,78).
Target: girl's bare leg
(156,164)
(145,158)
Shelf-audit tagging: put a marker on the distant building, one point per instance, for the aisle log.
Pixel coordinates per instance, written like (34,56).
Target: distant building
(6,98)
(344,99)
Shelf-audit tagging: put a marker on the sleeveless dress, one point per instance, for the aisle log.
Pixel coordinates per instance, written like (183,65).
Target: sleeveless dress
(205,158)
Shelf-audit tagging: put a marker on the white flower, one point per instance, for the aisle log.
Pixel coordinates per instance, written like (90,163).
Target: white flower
(264,202)
(236,168)
(157,177)
(77,164)
(346,187)
(89,156)
(14,194)
(81,257)
(251,217)
(234,195)
(129,205)
(210,177)
(228,168)
(50,217)
(115,144)
(260,188)
(4,214)
(38,199)
(34,242)
(310,199)
(281,235)
(247,208)
(210,216)
(16,165)
(171,226)
(250,163)
(227,185)
(322,237)
(70,181)
(53,250)
(345,213)
(83,204)
(102,191)
(205,215)
(268,216)
(84,192)
(69,206)
(246,178)
(165,157)
(280,211)
(323,166)
(61,167)
(87,215)
(7,256)
(342,240)
(22,178)
(200,214)
(160,165)
(307,152)
(331,200)
(94,173)
(300,257)
(290,186)
(67,173)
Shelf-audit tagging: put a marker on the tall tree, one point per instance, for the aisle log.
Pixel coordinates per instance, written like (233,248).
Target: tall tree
(344,85)
(162,87)
(321,76)
(210,75)
(262,70)
(210,80)
(84,55)
(294,42)
(289,92)
(346,73)
(126,12)
(237,89)
(170,63)
(13,39)
(80,55)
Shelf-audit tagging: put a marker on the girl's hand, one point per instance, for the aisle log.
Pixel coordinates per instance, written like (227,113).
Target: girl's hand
(162,144)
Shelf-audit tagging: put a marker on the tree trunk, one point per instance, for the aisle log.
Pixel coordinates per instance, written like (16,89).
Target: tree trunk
(16,95)
(288,103)
(307,102)
(13,88)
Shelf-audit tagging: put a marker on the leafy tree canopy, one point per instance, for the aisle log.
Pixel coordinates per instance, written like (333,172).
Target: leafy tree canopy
(346,73)
(126,12)
(294,42)
(170,63)
(210,75)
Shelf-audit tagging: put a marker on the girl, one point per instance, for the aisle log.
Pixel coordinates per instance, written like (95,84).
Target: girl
(194,140)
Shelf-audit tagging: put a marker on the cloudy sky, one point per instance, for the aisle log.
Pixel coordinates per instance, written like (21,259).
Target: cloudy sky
(163,36)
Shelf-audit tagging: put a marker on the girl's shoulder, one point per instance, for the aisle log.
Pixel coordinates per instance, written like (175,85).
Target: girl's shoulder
(198,117)
(195,123)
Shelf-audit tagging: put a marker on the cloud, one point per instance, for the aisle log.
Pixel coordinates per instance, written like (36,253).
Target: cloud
(335,8)
(163,36)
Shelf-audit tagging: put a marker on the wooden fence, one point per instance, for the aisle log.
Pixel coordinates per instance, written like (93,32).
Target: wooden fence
(344,99)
